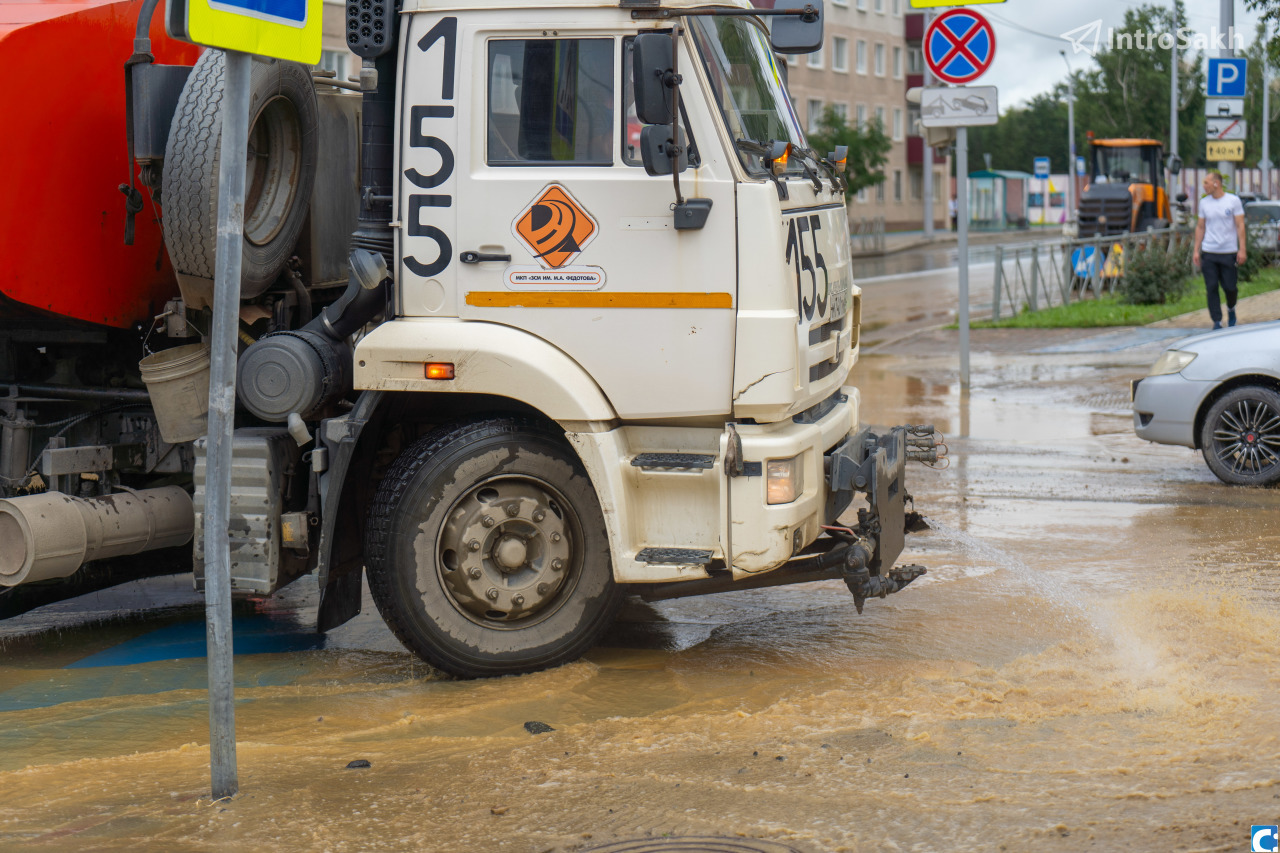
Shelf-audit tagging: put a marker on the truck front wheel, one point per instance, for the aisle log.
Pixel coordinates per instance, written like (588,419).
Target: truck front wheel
(487,552)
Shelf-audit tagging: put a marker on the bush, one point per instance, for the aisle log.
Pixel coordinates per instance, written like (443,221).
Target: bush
(1153,275)
(1254,260)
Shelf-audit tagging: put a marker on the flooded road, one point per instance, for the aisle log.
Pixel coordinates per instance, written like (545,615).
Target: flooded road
(1091,664)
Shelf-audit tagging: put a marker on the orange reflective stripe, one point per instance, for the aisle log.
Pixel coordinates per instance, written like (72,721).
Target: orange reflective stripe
(596,299)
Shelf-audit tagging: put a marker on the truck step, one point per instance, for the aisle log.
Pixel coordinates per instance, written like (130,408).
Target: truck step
(680,556)
(685,461)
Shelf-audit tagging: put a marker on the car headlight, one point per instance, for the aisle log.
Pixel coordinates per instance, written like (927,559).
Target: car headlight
(784,480)
(1171,361)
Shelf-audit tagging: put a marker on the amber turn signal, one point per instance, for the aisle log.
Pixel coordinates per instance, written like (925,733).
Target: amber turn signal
(439,370)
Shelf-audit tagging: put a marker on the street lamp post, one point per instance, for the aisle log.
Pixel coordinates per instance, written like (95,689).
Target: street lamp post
(1071,142)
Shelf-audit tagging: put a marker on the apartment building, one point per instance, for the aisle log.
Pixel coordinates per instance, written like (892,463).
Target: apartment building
(870,57)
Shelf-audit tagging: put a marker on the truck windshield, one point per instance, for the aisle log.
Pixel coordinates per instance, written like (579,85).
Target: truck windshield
(748,88)
(1131,165)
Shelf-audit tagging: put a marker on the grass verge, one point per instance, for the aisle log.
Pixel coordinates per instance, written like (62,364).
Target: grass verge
(1109,311)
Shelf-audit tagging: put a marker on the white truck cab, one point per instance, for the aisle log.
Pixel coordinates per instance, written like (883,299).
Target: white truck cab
(697,372)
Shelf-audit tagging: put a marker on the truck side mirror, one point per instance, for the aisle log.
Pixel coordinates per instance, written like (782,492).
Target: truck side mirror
(797,33)
(655,149)
(654,77)
(1175,164)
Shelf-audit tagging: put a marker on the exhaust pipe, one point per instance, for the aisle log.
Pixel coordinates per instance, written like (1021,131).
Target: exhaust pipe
(51,535)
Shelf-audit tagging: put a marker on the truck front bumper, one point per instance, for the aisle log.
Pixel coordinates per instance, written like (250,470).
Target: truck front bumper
(838,461)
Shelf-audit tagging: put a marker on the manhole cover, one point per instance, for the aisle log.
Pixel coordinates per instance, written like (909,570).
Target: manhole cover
(695,844)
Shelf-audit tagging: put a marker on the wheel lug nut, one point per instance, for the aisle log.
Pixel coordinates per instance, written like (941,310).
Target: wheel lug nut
(474,574)
(557,564)
(487,521)
(517,600)
(538,515)
(542,589)
(492,594)
(474,544)
(513,510)
(555,537)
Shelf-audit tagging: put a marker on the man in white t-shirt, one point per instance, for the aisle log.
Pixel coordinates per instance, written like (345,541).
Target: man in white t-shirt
(1219,246)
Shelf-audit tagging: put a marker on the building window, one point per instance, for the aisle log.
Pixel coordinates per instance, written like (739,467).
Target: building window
(840,54)
(862,7)
(897,123)
(792,60)
(897,63)
(917,184)
(840,2)
(879,60)
(860,57)
(862,196)
(913,121)
(815,59)
(550,101)
(897,185)
(915,61)
(880,193)
(880,9)
(861,114)
(896,7)
(841,111)
(880,119)
(815,114)
(335,61)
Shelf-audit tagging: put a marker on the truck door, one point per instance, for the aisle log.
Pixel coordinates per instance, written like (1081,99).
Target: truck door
(557,229)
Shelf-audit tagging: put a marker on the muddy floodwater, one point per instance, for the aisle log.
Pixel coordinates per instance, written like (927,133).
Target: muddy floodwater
(1092,663)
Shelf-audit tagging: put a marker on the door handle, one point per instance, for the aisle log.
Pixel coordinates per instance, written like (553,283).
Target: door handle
(481,257)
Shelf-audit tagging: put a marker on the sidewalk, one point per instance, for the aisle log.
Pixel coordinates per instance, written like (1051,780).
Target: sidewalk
(905,241)
(1255,309)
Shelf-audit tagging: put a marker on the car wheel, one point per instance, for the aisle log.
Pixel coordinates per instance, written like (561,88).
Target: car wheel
(487,551)
(1240,438)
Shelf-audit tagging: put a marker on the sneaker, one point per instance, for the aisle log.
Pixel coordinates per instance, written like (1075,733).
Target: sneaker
(1231,316)
(1216,326)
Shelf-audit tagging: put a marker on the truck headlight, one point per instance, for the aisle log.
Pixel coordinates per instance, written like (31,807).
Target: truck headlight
(784,480)
(1171,361)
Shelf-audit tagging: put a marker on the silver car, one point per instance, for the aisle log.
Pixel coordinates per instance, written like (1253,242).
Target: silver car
(1219,393)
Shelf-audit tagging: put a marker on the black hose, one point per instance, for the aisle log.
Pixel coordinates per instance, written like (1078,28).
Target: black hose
(66,392)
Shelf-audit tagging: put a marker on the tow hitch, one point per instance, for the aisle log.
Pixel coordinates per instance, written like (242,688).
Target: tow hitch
(875,466)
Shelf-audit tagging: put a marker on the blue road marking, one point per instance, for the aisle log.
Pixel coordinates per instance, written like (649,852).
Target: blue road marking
(255,636)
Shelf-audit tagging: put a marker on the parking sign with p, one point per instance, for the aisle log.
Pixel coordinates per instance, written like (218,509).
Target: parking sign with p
(1227,78)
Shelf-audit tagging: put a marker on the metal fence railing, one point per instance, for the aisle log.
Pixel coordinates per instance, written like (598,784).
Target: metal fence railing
(1044,275)
(867,234)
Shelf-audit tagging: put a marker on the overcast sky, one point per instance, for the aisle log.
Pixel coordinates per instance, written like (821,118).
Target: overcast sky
(1027,64)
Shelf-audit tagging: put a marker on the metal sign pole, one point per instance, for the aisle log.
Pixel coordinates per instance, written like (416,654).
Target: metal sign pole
(962,232)
(222,396)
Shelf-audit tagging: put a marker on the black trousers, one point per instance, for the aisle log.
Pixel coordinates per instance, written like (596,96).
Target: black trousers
(1219,270)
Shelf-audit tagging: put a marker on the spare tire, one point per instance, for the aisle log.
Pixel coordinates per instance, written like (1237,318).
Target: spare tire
(281,169)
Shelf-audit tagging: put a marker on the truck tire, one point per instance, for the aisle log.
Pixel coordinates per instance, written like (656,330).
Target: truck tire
(487,552)
(1240,438)
(283,120)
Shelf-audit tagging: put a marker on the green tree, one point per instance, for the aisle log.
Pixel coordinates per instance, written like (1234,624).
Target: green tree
(868,149)
(1125,95)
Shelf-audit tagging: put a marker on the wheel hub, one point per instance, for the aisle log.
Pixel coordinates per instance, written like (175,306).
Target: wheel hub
(504,551)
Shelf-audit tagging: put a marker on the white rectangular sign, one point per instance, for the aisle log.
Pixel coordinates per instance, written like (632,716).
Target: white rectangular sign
(1224,129)
(1224,107)
(959,106)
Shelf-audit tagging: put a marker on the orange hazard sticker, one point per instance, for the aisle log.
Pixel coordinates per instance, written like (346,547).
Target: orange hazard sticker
(554,227)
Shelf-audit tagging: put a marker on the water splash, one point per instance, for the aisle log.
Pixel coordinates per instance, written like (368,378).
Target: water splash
(1066,597)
